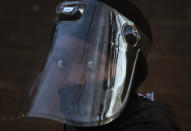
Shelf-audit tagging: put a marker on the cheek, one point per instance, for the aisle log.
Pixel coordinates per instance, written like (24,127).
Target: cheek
(58,77)
(99,75)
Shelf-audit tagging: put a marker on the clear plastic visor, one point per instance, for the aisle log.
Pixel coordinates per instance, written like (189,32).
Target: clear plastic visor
(87,75)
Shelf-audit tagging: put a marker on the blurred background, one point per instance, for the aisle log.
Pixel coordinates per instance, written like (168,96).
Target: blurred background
(25,28)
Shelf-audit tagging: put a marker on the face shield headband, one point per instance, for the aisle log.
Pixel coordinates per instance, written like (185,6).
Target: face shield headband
(87,76)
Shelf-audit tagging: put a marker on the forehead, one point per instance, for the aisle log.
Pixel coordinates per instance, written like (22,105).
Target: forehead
(72,46)
(68,41)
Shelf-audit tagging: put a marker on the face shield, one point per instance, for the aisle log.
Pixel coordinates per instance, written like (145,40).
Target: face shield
(87,76)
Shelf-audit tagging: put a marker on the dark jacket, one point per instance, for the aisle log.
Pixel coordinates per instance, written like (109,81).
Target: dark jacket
(140,115)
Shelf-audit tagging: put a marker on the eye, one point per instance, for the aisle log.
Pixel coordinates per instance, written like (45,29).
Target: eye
(61,64)
(92,65)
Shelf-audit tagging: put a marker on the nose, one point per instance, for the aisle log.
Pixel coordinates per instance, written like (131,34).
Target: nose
(74,75)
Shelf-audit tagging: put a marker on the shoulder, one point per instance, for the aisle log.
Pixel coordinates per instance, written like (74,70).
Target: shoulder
(151,115)
(153,126)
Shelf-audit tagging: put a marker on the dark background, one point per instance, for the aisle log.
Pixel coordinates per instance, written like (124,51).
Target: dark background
(25,28)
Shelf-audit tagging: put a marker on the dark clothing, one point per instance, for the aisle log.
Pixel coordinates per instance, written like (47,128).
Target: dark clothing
(140,115)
